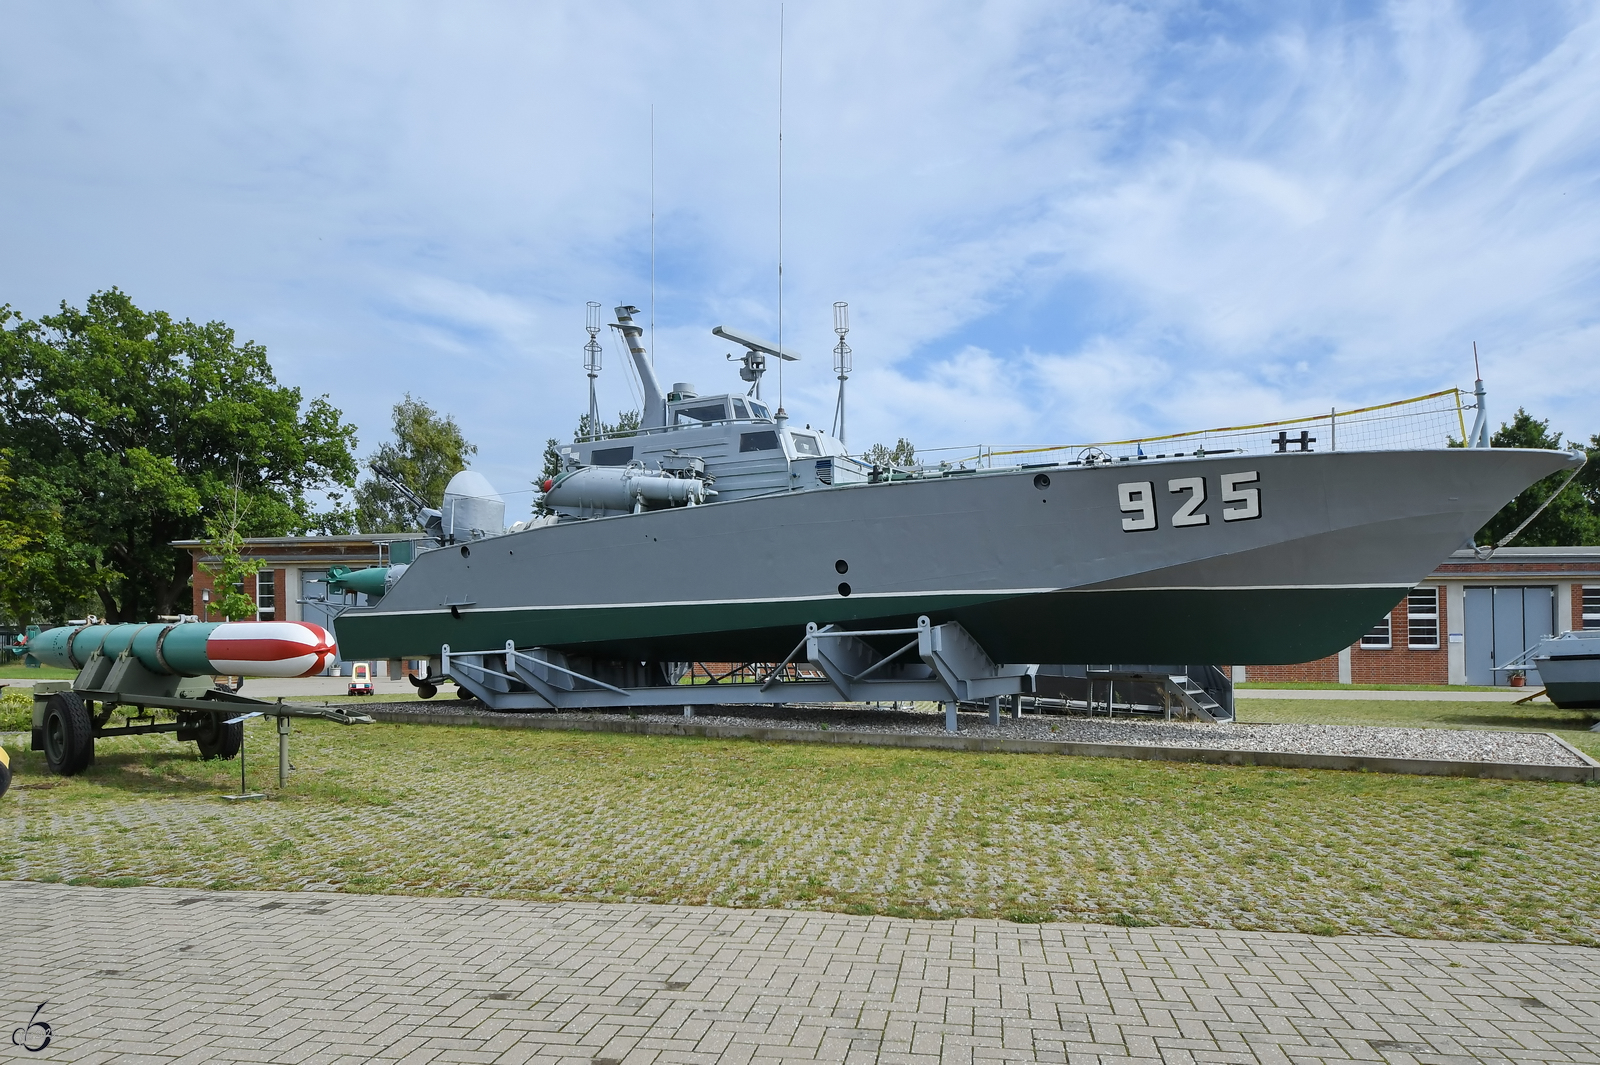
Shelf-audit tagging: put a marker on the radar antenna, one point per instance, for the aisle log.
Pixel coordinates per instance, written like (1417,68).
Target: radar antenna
(841,363)
(591,364)
(755,356)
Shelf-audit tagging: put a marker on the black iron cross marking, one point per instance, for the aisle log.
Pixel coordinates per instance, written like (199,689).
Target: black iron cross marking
(1283,440)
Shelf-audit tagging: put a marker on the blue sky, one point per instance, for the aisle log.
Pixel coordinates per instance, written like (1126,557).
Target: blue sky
(1053,222)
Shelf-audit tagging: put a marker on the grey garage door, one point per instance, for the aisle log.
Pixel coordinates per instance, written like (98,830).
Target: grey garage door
(1501,624)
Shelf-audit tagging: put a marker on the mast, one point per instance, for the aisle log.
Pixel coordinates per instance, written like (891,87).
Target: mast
(654,415)
(591,364)
(841,363)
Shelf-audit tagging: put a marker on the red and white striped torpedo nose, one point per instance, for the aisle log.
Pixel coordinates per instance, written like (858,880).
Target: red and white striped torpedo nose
(270,648)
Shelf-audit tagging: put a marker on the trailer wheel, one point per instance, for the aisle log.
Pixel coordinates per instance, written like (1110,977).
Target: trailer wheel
(68,734)
(216,739)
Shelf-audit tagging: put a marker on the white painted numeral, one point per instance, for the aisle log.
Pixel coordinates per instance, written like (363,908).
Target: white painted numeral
(1186,514)
(1138,497)
(1233,493)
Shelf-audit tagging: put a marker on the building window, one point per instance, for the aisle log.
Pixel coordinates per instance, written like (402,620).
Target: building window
(1591,606)
(1378,638)
(1422,619)
(266,596)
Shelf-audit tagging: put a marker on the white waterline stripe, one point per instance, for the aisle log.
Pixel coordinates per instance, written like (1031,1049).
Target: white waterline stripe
(985,593)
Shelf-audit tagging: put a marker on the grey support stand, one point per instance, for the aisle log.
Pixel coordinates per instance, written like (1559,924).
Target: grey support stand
(932,663)
(283,751)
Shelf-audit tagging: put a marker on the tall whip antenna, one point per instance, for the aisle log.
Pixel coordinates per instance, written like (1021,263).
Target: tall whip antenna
(780,207)
(652,234)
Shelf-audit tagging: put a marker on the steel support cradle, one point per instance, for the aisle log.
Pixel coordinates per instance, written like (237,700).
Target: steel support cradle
(935,663)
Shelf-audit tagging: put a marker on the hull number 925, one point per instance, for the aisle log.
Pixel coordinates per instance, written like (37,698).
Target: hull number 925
(1241,501)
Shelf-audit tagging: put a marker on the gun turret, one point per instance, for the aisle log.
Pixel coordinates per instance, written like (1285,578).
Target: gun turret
(431,519)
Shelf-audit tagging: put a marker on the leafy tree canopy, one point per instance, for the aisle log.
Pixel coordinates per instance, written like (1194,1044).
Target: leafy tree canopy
(42,573)
(125,429)
(427,450)
(230,566)
(1573,517)
(627,424)
(902,454)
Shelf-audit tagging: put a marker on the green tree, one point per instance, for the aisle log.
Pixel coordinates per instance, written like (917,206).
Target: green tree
(1573,517)
(42,573)
(627,424)
(427,450)
(903,454)
(131,427)
(230,566)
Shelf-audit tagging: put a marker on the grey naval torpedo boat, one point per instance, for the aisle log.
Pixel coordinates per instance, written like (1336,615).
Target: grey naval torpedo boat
(721,532)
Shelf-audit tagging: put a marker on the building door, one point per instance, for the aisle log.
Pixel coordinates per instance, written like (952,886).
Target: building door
(319,608)
(1501,624)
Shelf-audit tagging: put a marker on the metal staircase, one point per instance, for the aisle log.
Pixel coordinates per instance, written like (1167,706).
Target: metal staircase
(1203,693)
(1196,699)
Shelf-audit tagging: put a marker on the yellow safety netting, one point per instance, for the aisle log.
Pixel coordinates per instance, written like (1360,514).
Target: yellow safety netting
(1419,423)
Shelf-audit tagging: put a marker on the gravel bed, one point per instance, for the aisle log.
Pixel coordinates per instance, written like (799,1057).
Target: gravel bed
(1456,745)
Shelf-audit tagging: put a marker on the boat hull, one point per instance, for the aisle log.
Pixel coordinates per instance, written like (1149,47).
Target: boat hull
(1039,565)
(1569,669)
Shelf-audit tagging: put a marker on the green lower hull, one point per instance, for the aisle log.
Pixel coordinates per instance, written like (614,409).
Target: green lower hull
(1246,626)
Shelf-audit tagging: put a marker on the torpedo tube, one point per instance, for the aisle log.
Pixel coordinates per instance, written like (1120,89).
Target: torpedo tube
(622,488)
(196,648)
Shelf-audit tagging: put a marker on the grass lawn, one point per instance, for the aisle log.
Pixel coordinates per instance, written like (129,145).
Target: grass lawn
(17,673)
(552,815)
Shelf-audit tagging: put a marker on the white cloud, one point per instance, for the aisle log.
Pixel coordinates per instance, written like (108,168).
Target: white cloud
(1061,220)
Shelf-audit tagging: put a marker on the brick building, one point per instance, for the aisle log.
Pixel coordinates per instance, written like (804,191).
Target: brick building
(1468,618)
(290,581)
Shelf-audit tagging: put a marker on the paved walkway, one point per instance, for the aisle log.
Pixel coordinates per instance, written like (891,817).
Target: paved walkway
(313,687)
(157,975)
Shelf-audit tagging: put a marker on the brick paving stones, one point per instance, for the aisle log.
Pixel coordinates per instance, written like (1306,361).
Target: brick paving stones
(165,975)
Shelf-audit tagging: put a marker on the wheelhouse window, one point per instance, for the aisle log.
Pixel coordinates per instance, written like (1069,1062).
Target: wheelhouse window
(766,440)
(702,412)
(612,456)
(805,445)
(759,410)
(739,410)
(1379,636)
(1422,619)
(266,596)
(1591,606)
